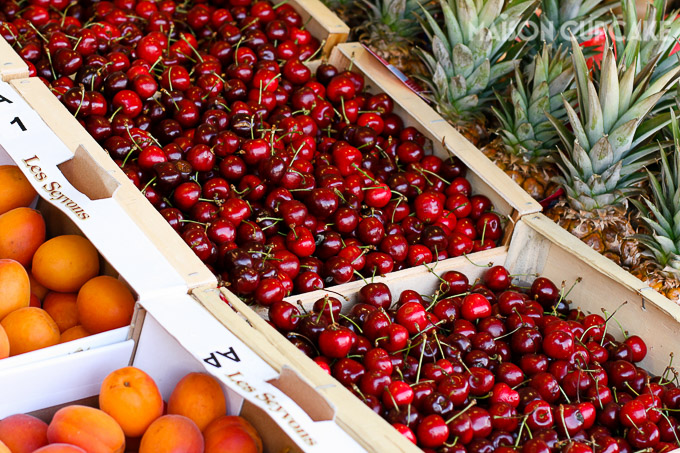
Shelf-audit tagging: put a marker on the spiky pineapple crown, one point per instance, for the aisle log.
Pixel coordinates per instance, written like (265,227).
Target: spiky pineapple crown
(582,18)
(662,212)
(476,48)
(650,41)
(607,146)
(525,129)
(393,17)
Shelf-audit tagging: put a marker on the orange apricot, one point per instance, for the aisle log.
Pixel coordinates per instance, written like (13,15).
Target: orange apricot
(4,343)
(22,231)
(91,429)
(4,448)
(74,333)
(198,396)
(29,329)
(231,433)
(23,433)
(172,434)
(104,303)
(62,308)
(16,190)
(132,398)
(36,288)
(65,263)
(60,448)
(15,287)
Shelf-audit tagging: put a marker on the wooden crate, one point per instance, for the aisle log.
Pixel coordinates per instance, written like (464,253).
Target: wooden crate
(11,64)
(538,246)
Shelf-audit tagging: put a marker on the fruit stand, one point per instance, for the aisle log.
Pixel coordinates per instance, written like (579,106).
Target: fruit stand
(316,226)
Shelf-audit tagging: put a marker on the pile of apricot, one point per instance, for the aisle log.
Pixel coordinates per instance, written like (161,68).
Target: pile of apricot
(50,289)
(132,416)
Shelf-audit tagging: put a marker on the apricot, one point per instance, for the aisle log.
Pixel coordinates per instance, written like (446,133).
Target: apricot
(65,263)
(60,448)
(172,434)
(22,231)
(4,343)
(36,288)
(4,448)
(35,302)
(132,398)
(74,333)
(104,303)
(231,433)
(198,396)
(16,190)
(23,433)
(91,429)
(29,329)
(62,308)
(15,288)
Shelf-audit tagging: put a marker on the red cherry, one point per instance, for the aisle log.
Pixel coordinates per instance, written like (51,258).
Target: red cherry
(475,306)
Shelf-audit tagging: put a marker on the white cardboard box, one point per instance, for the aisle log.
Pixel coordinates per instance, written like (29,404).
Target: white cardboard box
(173,336)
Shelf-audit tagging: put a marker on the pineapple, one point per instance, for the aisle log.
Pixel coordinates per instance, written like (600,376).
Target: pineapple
(347,10)
(581,18)
(661,257)
(605,150)
(470,55)
(527,141)
(650,41)
(391,29)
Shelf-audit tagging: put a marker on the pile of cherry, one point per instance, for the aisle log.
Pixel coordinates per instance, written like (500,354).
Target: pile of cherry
(490,367)
(281,180)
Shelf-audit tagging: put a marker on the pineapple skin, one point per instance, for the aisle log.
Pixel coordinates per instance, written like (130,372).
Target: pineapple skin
(608,231)
(536,179)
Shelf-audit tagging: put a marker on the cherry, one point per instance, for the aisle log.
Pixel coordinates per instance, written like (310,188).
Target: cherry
(432,431)
(335,341)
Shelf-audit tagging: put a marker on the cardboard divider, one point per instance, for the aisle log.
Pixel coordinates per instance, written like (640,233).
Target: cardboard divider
(175,332)
(11,65)
(352,415)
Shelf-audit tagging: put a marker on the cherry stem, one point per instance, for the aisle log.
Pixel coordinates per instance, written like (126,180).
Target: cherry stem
(316,52)
(462,411)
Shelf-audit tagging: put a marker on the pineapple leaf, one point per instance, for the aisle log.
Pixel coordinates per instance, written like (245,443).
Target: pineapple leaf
(650,127)
(500,69)
(601,155)
(622,137)
(626,89)
(489,12)
(467,18)
(639,110)
(396,8)
(481,45)
(594,126)
(566,136)
(582,160)
(575,123)
(463,62)
(609,90)
(442,56)
(479,79)
(581,70)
